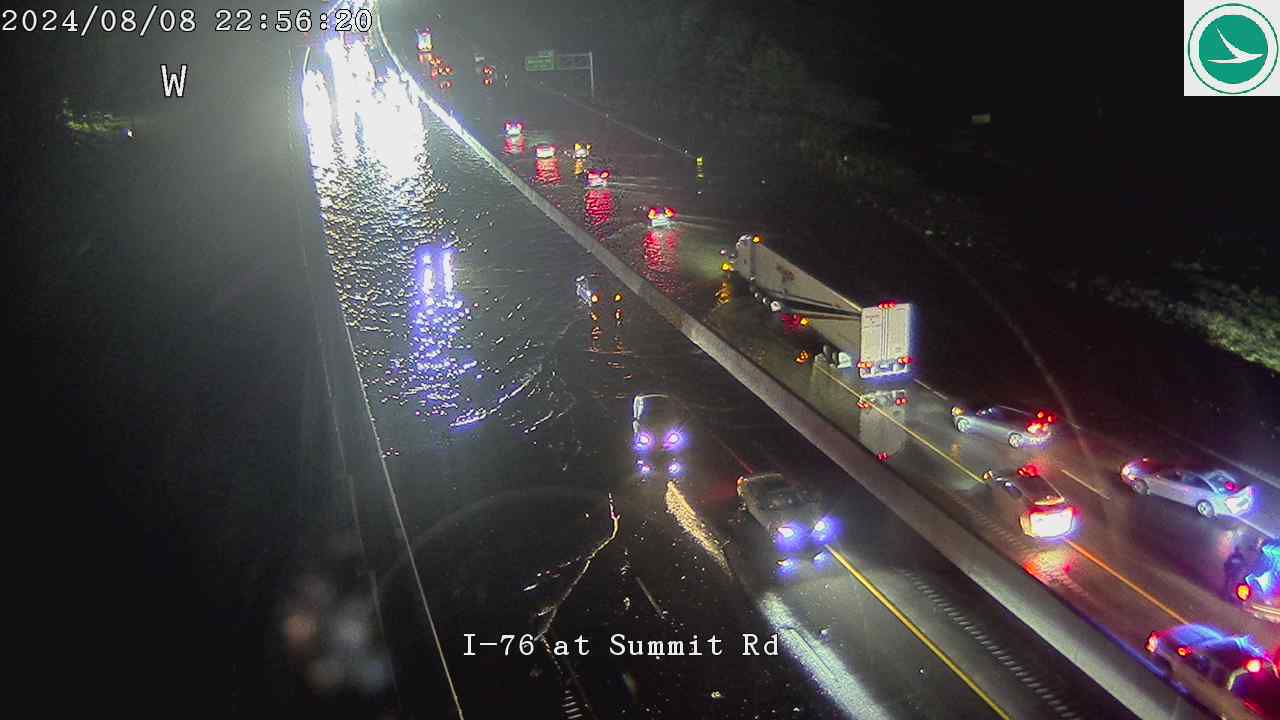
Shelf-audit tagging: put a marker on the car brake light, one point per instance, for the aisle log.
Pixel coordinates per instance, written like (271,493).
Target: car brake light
(1050,523)
(882,456)
(669,212)
(1184,651)
(1028,470)
(1230,486)
(889,305)
(1243,591)
(1253,665)
(905,360)
(864,404)
(900,401)
(1153,640)
(653,213)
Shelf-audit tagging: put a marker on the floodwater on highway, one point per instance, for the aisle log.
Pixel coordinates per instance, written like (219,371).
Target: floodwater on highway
(502,403)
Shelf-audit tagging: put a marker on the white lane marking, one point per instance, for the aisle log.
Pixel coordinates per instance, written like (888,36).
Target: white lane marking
(1091,488)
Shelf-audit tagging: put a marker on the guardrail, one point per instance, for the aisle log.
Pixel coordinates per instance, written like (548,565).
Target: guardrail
(1086,645)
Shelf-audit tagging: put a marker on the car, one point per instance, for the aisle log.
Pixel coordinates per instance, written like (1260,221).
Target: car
(1224,672)
(659,424)
(593,289)
(598,177)
(1042,511)
(1259,693)
(661,216)
(1211,491)
(513,128)
(1019,428)
(581,151)
(544,151)
(792,514)
(1259,590)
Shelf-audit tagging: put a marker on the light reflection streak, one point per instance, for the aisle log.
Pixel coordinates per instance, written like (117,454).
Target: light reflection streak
(317,112)
(547,171)
(599,206)
(688,519)
(823,665)
(436,316)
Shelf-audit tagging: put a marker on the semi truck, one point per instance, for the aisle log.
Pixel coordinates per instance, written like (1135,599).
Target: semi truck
(875,339)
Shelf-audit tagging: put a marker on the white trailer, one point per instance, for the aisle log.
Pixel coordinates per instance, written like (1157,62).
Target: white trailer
(879,337)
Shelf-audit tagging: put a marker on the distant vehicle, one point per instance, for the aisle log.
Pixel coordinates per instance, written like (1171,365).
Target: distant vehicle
(593,289)
(1041,510)
(597,177)
(513,128)
(544,151)
(1209,490)
(1019,428)
(1229,675)
(791,513)
(661,216)
(659,424)
(877,339)
(581,151)
(1259,590)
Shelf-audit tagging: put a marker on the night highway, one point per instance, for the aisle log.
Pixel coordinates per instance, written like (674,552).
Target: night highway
(776,366)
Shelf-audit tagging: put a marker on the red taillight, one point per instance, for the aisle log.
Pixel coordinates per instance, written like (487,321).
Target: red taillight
(888,305)
(1253,665)
(604,174)
(669,212)
(905,360)
(1153,641)
(1028,470)
(1243,591)
(1230,486)
(864,404)
(1184,651)
(864,365)
(900,401)
(882,457)
(653,213)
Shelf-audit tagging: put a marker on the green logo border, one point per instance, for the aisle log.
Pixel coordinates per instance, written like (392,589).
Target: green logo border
(1274,37)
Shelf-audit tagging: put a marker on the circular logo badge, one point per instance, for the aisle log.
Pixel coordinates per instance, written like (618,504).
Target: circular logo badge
(1232,48)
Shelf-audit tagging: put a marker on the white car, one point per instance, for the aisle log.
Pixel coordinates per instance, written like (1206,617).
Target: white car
(792,514)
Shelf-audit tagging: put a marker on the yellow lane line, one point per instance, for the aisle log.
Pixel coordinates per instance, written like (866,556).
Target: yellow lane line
(915,630)
(1132,586)
(1094,558)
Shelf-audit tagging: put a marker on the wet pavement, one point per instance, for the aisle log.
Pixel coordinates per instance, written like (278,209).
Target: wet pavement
(1135,564)
(1160,559)
(502,403)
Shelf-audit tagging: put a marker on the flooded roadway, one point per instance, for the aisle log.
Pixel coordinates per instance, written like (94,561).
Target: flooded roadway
(502,403)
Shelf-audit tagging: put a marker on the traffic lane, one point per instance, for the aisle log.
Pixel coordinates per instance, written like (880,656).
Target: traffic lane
(1128,561)
(448,497)
(1024,676)
(1164,548)
(650,241)
(1090,588)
